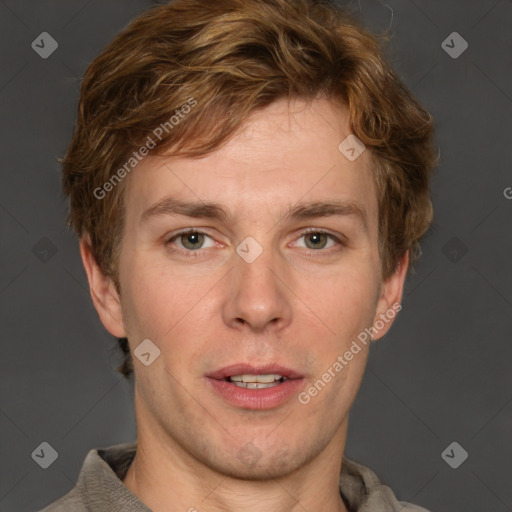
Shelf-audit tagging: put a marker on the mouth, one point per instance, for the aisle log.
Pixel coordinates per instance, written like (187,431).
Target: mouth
(256,387)
(261,381)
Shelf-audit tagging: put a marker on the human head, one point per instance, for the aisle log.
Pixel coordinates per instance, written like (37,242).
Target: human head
(227,60)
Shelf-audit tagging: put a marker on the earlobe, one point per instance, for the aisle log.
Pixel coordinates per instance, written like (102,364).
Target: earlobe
(390,299)
(103,292)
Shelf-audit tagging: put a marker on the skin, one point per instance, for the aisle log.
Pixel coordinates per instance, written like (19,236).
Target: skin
(301,303)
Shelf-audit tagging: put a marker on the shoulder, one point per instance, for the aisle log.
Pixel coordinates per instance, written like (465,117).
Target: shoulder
(71,501)
(99,486)
(409,507)
(364,492)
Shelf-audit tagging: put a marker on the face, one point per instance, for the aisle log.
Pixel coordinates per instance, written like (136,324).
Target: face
(271,268)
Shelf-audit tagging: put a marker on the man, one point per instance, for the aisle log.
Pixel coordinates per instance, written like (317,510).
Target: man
(249,181)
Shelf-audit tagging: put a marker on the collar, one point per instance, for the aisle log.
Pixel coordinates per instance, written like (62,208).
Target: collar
(100,484)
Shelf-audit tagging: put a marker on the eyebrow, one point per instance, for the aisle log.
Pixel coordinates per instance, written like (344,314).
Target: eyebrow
(209,210)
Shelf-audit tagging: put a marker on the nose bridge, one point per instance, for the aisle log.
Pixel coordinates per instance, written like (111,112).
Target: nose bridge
(257,295)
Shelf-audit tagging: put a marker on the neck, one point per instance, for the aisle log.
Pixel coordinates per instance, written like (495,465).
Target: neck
(168,478)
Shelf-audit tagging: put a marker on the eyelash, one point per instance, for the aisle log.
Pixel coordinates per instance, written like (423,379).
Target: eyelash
(199,252)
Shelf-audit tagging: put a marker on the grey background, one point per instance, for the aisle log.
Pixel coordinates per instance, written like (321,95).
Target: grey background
(441,375)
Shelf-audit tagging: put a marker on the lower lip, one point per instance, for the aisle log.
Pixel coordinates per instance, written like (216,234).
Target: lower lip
(266,398)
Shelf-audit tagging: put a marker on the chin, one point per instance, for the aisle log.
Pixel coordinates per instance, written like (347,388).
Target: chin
(274,468)
(252,463)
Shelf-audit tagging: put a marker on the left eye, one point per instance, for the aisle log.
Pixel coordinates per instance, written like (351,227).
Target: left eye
(318,239)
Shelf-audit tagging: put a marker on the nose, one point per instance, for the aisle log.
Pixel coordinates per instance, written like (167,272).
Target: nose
(258,295)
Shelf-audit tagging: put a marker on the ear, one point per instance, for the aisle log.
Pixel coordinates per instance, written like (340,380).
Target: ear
(103,292)
(389,303)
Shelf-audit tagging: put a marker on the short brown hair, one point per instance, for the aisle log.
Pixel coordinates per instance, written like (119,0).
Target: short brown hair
(233,57)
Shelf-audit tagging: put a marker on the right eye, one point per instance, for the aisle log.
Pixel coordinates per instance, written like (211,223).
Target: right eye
(189,240)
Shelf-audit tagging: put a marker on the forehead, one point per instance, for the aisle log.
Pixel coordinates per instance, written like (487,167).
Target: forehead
(285,154)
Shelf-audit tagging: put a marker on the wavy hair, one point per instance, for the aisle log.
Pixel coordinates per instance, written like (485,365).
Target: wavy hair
(235,57)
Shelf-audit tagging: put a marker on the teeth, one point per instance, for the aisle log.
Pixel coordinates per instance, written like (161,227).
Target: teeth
(262,379)
(256,385)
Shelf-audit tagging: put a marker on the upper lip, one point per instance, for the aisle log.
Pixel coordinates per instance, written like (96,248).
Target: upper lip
(248,369)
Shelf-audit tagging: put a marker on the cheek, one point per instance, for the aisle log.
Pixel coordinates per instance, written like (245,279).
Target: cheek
(346,299)
(149,299)
(166,306)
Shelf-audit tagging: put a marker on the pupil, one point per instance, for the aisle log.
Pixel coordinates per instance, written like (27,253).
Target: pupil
(317,237)
(192,240)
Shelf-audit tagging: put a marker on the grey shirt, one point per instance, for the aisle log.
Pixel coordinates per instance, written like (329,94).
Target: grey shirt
(99,487)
